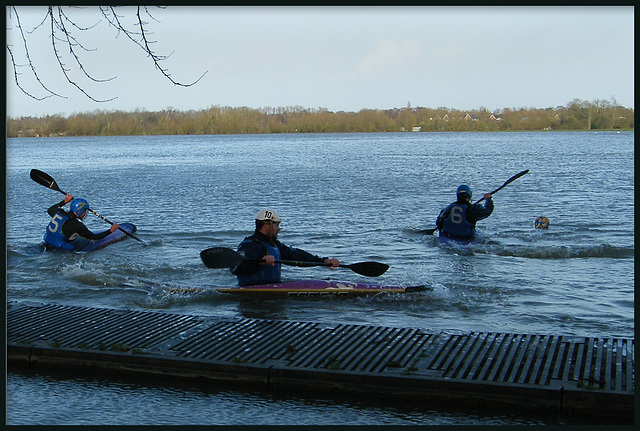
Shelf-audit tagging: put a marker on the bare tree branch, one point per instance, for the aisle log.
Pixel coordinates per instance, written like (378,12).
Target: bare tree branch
(30,63)
(143,41)
(72,41)
(63,31)
(59,24)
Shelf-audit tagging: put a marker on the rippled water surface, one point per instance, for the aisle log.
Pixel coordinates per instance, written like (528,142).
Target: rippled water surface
(357,197)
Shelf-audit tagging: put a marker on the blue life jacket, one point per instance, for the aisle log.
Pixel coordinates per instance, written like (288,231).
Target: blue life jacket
(267,274)
(456,224)
(54,236)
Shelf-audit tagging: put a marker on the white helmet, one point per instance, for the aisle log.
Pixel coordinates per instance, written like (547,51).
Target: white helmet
(270,215)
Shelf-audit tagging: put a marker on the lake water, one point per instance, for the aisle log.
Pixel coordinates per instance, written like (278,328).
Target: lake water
(357,197)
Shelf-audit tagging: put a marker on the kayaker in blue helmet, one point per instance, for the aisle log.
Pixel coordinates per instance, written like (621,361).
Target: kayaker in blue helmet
(66,230)
(264,246)
(458,219)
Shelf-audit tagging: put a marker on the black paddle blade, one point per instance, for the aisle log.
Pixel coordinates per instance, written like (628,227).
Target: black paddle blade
(428,231)
(44,179)
(220,257)
(516,176)
(513,178)
(370,269)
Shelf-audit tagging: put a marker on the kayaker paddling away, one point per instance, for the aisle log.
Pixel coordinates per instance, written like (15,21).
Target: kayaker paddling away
(458,220)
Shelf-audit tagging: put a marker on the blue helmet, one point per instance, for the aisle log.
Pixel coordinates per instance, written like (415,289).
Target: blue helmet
(464,189)
(79,206)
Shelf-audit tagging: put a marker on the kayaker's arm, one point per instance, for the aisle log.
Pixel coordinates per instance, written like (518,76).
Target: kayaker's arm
(54,208)
(479,211)
(74,227)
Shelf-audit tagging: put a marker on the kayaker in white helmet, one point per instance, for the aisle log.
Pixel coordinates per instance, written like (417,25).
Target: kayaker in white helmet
(264,249)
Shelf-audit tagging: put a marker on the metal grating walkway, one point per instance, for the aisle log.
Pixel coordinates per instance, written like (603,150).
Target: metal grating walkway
(576,374)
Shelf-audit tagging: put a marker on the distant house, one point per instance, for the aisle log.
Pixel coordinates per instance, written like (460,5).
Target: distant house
(495,117)
(471,117)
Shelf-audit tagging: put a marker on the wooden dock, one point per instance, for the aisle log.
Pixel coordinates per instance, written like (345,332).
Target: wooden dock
(576,375)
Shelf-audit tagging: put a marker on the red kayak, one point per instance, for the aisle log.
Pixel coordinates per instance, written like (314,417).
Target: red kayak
(319,287)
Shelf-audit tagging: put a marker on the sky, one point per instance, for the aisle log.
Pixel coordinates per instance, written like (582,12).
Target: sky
(334,58)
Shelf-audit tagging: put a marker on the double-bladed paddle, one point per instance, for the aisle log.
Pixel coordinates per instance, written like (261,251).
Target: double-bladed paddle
(46,180)
(513,178)
(220,257)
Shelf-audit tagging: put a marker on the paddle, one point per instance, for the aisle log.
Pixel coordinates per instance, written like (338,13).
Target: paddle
(47,181)
(513,178)
(220,257)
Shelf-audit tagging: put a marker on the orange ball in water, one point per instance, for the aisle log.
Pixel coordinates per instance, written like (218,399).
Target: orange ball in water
(542,223)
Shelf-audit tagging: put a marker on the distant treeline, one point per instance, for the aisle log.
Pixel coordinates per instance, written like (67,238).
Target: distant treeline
(577,115)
